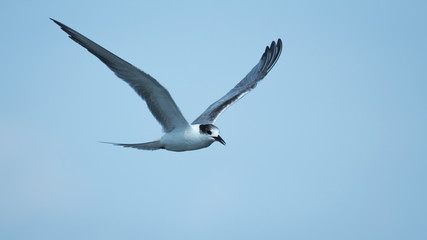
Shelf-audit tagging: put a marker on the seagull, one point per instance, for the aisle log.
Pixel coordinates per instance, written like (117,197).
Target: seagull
(179,134)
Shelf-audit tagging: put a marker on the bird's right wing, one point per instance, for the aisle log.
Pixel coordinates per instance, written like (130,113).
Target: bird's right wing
(158,99)
(268,59)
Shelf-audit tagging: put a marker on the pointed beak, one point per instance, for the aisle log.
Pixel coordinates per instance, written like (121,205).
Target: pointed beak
(219,139)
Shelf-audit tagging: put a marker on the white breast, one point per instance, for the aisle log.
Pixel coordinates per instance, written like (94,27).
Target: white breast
(186,139)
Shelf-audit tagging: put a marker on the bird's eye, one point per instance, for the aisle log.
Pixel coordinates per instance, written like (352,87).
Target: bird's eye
(209,132)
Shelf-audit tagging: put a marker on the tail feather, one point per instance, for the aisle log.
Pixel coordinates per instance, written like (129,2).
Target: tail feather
(145,146)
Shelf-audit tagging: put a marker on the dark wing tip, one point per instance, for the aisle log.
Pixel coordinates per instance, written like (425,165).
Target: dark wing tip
(272,45)
(271,55)
(64,27)
(59,23)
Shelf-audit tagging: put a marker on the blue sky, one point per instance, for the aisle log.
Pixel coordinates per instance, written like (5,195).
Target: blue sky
(330,145)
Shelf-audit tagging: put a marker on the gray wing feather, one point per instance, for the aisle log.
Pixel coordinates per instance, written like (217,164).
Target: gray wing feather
(268,59)
(158,99)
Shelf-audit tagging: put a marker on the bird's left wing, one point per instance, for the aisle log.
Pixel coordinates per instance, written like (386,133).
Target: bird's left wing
(158,99)
(268,59)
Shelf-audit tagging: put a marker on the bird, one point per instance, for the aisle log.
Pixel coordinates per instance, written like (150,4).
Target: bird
(179,135)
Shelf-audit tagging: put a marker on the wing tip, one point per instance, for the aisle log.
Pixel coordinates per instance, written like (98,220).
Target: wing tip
(271,55)
(64,27)
(57,22)
(115,144)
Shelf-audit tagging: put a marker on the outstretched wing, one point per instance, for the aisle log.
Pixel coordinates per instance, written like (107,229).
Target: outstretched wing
(158,99)
(268,59)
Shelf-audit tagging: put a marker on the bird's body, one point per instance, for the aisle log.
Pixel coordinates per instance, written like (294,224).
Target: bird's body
(186,139)
(189,138)
(179,134)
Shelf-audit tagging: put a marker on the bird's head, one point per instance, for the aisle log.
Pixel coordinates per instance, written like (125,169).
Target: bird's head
(211,131)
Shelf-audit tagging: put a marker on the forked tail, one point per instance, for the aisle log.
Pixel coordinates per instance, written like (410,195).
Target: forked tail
(145,146)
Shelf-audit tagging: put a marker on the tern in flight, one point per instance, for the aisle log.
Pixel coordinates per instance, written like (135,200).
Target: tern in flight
(179,134)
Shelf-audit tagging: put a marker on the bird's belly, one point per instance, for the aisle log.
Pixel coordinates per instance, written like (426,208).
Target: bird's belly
(184,142)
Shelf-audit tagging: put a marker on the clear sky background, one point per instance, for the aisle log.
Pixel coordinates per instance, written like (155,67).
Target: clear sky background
(332,144)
